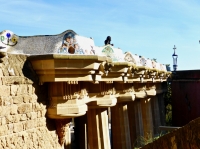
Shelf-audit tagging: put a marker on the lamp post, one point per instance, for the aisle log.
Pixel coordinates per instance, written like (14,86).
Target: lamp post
(175,56)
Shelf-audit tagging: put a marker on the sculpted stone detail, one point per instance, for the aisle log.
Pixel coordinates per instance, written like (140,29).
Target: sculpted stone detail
(105,68)
(107,89)
(62,126)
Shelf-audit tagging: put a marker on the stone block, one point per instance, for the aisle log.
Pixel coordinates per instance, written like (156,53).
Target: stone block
(43,106)
(41,122)
(29,124)
(3,142)
(33,115)
(18,127)
(8,142)
(36,107)
(23,117)
(17,99)
(5,101)
(10,80)
(22,90)
(11,146)
(10,128)
(24,108)
(3,130)
(15,139)
(39,114)
(4,110)
(5,71)
(3,121)
(27,99)
(16,118)
(8,101)
(33,90)
(33,98)
(14,89)
(9,119)
(13,109)
(44,112)
(4,90)
(30,89)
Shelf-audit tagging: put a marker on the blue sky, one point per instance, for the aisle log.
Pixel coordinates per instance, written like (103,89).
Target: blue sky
(144,27)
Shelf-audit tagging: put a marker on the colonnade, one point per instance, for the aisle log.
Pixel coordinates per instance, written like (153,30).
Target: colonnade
(97,92)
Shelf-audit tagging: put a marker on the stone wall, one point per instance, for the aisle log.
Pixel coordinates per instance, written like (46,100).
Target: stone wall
(187,137)
(23,103)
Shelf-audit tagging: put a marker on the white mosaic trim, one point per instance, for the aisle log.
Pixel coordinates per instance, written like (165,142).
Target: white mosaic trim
(68,42)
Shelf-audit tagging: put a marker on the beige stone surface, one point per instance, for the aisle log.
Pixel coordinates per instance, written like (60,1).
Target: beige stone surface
(79,82)
(98,132)
(186,137)
(17,99)
(5,90)
(22,118)
(24,108)
(120,127)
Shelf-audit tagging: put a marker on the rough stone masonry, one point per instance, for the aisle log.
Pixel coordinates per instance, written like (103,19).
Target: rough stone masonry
(23,123)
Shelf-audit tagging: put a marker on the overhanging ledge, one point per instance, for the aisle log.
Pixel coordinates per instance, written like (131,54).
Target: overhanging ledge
(60,67)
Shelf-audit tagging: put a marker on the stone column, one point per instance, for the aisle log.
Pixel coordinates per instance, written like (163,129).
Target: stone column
(155,114)
(138,118)
(132,121)
(64,133)
(98,131)
(147,117)
(135,122)
(120,127)
(80,132)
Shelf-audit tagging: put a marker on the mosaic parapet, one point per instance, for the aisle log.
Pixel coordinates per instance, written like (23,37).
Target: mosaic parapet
(67,42)
(70,43)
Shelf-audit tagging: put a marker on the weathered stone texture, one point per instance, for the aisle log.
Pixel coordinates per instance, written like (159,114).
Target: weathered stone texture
(17,99)
(4,110)
(186,137)
(3,130)
(13,109)
(14,80)
(34,138)
(6,100)
(23,107)
(4,90)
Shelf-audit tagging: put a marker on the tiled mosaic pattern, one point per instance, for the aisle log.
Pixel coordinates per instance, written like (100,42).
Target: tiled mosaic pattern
(68,42)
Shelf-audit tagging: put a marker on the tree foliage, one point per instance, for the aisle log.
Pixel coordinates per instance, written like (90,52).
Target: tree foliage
(168,105)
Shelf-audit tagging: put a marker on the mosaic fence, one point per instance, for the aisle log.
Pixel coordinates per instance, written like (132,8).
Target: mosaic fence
(70,43)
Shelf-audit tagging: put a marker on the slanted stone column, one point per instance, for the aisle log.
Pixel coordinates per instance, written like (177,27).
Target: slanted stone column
(98,131)
(64,133)
(120,127)
(147,117)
